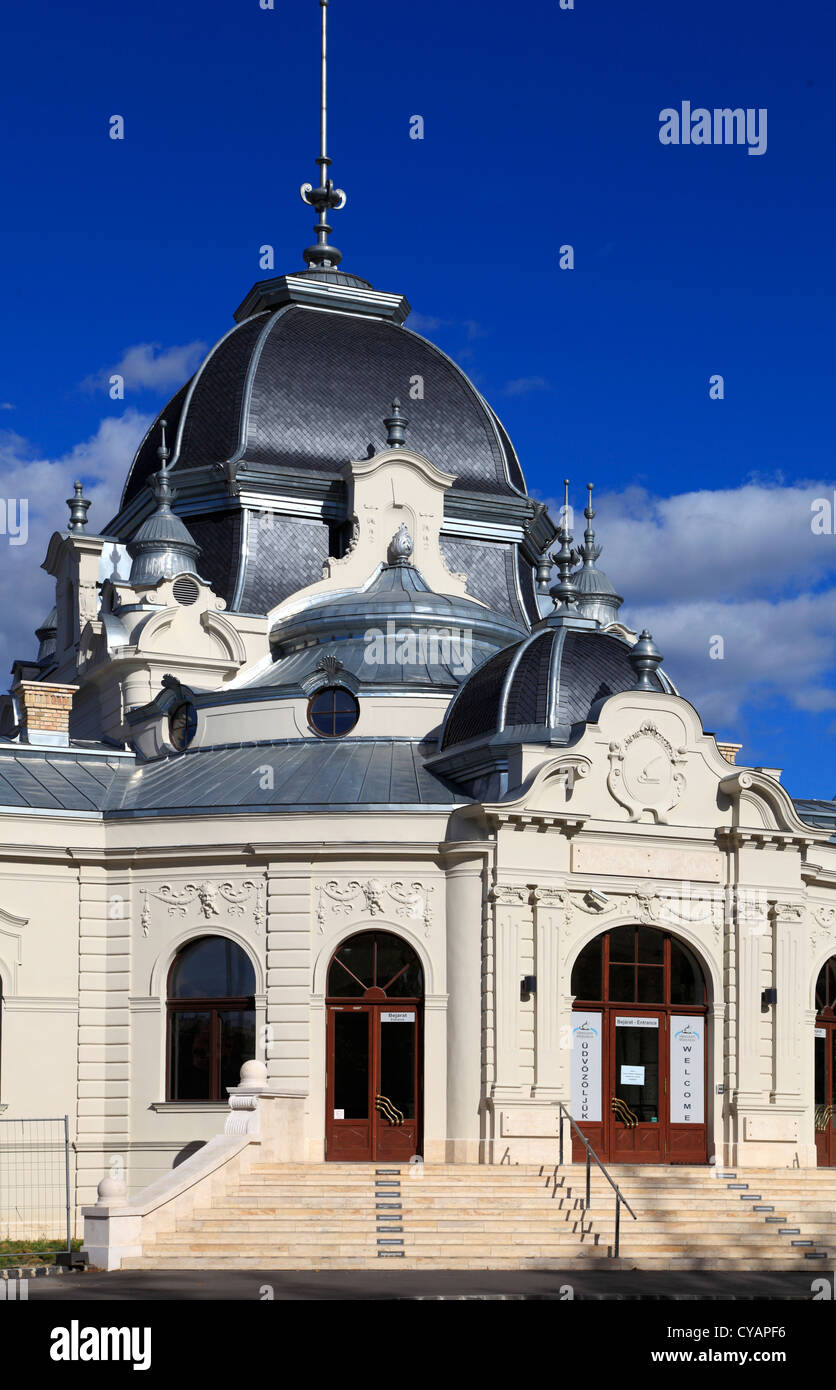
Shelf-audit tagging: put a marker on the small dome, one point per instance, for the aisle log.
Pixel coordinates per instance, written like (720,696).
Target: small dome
(394,633)
(537,689)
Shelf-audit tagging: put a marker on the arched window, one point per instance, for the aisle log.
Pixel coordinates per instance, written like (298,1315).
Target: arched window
(826,990)
(638,965)
(211,1018)
(375,965)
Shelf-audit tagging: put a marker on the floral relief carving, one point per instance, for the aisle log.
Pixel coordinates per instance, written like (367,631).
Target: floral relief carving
(206,895)
(372,898)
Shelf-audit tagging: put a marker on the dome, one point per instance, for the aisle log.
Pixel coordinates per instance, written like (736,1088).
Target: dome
(538,689)
(305,388)
(396,633)
(297,389)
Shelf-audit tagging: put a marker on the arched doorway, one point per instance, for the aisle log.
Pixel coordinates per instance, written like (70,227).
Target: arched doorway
(825,1053)
(638,1048)
(374,999)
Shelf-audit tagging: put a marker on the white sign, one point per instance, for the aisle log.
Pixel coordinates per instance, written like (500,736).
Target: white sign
(821,1032)
(637,1023)
(339,1114)
(586,1067)
(632,1076)
(687,1069)
(397,1018)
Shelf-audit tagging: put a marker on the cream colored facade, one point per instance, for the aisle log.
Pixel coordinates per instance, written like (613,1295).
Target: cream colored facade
(94,908)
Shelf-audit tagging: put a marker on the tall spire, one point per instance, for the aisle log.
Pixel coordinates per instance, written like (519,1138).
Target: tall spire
(563,592)
(322,256)
(596,597)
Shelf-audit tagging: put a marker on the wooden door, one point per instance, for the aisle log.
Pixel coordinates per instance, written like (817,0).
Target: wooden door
(636,1097)
(372,1092)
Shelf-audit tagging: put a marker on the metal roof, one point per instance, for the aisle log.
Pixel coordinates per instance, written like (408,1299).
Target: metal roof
(308,774)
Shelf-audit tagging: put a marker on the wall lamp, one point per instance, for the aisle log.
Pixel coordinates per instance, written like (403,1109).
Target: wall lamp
(769,996)
(528,986)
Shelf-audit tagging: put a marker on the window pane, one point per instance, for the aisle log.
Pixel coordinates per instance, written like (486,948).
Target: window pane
(191,1048)
(686,977)
(651,946)
(623,943)
(623,983)
(637,1073)
(351,1064)
(237,1044)
(341,984)
(651,984)
(358,955)
(586,974)
(392,955)
(397,1065)
(212,968)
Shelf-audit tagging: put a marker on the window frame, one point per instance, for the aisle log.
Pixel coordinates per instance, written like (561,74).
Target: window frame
(214,1006)
(332,690)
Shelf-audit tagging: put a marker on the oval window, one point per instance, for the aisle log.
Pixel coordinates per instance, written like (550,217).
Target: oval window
(182,725)
(333,711)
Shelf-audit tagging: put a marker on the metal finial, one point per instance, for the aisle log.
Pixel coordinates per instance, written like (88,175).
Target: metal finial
(322,256)
(644,658)
(79,506)
(589,551)
(163,453)
(564,592)
(160,485)
(396,424)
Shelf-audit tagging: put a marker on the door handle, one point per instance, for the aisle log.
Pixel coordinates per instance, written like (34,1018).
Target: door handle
(390,1112)
(623,1112)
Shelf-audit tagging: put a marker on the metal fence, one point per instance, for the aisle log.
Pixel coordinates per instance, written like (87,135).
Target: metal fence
(34,1187)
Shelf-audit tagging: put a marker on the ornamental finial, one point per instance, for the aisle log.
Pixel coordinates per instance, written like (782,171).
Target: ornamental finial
(564,592)
(79,506)
(161,487)
(644,658)
(322,199)
(396,424)
(590,550)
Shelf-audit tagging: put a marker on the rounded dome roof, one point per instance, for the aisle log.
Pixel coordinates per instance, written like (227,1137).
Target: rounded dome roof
(306,389)
(539,688)
(423,638)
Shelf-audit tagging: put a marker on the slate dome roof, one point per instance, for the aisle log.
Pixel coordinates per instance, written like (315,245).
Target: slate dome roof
(306,388)
(539,688)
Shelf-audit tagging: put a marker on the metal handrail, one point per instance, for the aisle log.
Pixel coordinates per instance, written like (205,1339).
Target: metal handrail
(591,1154)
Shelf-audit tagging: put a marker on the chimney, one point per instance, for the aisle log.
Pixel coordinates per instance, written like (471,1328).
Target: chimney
(729,750)
(43,712)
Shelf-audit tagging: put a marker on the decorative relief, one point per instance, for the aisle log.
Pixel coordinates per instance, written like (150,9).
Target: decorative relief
(644,773)
(510,895)
(234,901)
(373,898)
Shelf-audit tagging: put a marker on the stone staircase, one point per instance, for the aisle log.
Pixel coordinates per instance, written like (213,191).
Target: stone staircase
(442,1216)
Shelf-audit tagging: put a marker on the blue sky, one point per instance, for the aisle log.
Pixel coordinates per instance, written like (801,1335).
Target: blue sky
(541,130)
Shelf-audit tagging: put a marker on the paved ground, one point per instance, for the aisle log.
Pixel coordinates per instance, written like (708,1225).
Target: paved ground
(253,1285)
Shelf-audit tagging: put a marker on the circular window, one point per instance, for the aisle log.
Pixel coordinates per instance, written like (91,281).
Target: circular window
(182,725)
(333,711)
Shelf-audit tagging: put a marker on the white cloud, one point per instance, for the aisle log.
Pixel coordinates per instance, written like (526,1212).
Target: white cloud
(424,323)
(102,461)
(740,564)
(149,366)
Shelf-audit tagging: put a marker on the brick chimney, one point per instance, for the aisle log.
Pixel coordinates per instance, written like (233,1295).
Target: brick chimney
(43,712)
(729,750)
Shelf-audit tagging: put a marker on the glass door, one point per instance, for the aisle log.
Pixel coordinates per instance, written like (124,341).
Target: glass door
(638,1086)
(348,1083)
(396,1102)
(825,1055)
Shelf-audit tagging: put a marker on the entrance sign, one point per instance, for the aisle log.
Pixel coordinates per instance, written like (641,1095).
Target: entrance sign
(637,1023)
(397,1018)
(687,1088)
(586,1067)
(820,1033)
